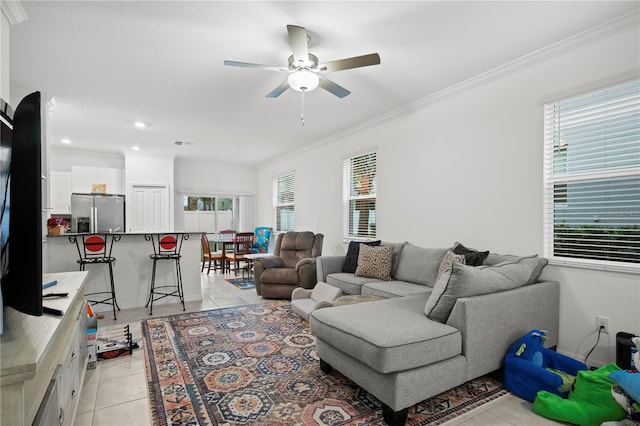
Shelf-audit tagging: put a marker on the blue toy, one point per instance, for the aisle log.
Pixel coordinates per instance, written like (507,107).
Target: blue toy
(530,367)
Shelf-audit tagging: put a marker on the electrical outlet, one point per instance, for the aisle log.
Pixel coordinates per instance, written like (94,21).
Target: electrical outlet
(602,322)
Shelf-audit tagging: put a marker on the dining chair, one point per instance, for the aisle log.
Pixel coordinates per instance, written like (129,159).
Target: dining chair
(208,256)
(226,242)
(242,245)
(262,235)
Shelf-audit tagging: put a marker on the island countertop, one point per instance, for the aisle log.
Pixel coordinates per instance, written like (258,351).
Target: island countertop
(132,269)
(66,234)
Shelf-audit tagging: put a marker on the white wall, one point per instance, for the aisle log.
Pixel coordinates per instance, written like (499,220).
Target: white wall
(207,177)
(4,58)
(466,165)
(63,159)
(202,177)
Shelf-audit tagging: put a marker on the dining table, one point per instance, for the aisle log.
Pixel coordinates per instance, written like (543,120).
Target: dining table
(222,242)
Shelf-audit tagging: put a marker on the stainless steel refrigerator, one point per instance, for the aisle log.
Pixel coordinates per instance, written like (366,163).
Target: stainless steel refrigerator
(97,213)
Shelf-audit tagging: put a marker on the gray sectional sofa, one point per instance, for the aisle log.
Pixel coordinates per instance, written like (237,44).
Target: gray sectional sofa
(429,335)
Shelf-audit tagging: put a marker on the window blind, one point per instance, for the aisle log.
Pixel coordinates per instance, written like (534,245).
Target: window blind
(592,177)
(284,202)
(359,196)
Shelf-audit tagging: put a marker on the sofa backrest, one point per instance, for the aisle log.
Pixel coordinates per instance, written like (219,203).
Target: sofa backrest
(419,265)
(293,246)
(397,249)
(495,258)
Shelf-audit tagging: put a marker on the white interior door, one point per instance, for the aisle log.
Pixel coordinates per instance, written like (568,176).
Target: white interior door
(150,210)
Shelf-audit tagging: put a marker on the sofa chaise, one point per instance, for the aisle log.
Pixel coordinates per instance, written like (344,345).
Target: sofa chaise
(446,318)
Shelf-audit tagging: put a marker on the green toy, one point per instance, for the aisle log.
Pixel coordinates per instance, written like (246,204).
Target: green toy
(590,403)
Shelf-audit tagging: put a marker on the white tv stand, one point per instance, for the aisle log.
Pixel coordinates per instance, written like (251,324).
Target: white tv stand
(43,359)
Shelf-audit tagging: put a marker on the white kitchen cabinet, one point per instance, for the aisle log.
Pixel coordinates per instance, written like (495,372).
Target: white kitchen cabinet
(60,195)
(82,177)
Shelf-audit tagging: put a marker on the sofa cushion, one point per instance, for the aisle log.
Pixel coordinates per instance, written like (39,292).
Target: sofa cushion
(406,339)
(419,265)
(465,281)
(351,259)
(374,262)
(473,257)
(348,283)
(448,260)
(495,258)
(389,289)
(325,292)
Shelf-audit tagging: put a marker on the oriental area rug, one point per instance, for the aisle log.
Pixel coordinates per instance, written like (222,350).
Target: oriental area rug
(257,365)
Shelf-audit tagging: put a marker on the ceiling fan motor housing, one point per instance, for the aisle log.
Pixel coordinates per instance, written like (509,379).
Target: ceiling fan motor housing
(311,64)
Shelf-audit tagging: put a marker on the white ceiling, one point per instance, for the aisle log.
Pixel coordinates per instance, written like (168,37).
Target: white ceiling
(110,63)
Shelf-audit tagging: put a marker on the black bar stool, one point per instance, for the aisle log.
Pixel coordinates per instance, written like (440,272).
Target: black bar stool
(95,249)
(166,247)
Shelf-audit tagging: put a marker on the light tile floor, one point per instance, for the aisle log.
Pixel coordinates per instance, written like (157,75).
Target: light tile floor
(115,392)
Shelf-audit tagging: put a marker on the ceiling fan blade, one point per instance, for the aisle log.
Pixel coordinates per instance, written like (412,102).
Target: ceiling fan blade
(278,90)
(249,65)
(299,44)
(348,63)
(332,87)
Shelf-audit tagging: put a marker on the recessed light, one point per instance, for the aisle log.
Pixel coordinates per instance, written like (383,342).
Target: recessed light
(140,124)
(65,141)
(135,148)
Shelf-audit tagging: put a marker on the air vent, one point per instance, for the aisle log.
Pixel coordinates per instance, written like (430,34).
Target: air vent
(181,143)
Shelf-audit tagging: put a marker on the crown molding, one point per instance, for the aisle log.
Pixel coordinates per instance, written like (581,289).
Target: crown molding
(600,32)
(13,11)
(621,24)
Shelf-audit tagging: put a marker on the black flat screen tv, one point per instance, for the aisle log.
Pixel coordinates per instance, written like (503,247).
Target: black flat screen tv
(22,224)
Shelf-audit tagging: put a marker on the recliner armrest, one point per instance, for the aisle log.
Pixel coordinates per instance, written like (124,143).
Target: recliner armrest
(269,262)
(305,261)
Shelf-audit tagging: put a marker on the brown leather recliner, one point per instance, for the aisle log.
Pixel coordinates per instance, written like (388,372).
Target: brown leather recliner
(292,265)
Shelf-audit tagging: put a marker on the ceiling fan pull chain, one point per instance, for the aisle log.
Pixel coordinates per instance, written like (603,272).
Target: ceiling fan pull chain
(302,107)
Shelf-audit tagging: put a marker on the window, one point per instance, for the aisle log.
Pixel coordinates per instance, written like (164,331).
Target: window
(592,179)
(207,214)
(284,189)
(359,196)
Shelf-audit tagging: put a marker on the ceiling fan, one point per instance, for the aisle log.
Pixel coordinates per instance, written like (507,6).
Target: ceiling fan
(305,71)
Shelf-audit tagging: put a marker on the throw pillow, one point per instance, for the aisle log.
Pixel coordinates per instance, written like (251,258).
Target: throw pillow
(351,259)
(473,257)
(447,262)
(466,281)
(374,262)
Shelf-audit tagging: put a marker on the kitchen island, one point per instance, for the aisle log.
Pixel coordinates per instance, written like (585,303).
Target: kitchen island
(132,269)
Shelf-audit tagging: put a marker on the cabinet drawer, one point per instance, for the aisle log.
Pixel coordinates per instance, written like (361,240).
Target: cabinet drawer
(49,412)
(70,372)
(69,399)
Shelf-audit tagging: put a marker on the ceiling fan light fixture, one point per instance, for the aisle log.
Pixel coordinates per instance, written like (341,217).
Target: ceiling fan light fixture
(303,80)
